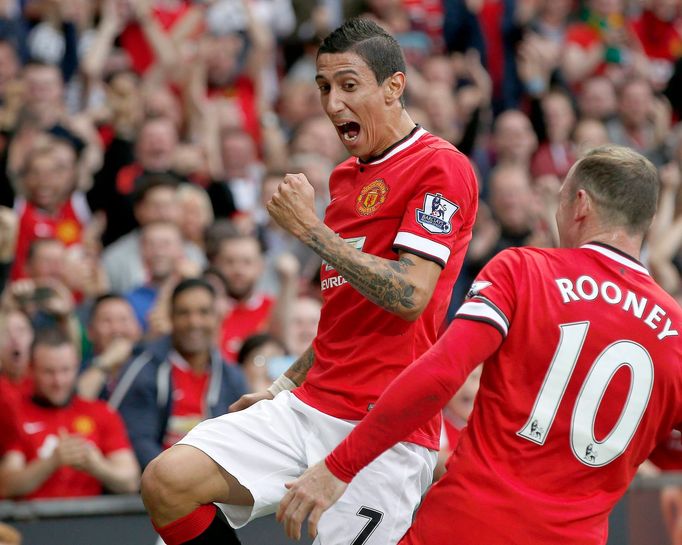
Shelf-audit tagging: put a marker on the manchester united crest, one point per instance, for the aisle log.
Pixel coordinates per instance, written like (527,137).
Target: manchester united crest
(372,196)
(84,425)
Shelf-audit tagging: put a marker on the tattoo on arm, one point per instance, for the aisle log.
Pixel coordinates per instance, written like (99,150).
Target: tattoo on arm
(299,369)
(382,281)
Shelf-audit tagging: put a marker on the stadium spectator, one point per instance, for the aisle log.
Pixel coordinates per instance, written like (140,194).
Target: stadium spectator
(658,29)
(10,396)
(70,447)
(163,256)
(128,168)
(16,337)
(555,155)
(255,357)
(8,238)
(608,198)
(602,43)
(196,214)
(51,208)
(240,260)
(239,187)
(427,217)
(643,121)
(598,99)
(513,141)
(156,200)
(179,381)
(113,331)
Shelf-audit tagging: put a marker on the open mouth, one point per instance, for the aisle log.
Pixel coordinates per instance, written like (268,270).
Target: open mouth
(349,131)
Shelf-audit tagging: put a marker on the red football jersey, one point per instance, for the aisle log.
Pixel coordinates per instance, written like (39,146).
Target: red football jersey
(420,196)
(244,319)
(668,454)
(586,383)
(189,394)
(67,225)
(93,420)
(10,431)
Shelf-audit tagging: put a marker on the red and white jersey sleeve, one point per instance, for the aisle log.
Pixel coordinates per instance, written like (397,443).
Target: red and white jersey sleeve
(492,296)
(438,209)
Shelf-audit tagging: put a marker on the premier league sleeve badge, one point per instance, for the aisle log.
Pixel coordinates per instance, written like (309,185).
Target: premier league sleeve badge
(436,215)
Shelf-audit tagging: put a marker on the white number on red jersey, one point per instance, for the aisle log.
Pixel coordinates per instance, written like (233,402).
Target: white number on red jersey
(584,444)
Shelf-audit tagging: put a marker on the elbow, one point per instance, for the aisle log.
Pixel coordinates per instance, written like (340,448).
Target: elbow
(412,310)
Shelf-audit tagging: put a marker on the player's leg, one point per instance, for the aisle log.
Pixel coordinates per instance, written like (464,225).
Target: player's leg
(178,490)
(378,506)
(183,478)
(239,461)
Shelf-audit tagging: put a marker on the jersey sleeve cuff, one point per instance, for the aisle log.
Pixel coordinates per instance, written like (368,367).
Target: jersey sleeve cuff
(337,470)
(481,309)
(422,247)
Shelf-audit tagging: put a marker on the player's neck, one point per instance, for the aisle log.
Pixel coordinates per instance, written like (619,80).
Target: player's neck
(397,131)
(628,244)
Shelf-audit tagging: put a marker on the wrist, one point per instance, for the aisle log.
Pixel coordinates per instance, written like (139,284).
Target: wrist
(336,469)
(281,384)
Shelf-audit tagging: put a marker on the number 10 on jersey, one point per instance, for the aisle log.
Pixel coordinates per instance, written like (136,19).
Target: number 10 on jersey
(584,444)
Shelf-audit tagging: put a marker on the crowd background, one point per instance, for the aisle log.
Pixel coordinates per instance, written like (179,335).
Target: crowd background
(141,139)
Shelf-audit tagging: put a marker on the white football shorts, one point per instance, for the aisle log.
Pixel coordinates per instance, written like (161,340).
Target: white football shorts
(274,442)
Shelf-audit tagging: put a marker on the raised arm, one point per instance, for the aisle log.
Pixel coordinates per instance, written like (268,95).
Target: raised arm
(403,287)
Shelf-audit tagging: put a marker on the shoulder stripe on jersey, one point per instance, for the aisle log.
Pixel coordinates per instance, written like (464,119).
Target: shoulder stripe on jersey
(481,310)
(410,241)
(482,320)
(406,144)
(492,305)
(615,256)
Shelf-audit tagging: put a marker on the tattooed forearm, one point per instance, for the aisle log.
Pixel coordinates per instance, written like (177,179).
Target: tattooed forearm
(299,369)
(382,281)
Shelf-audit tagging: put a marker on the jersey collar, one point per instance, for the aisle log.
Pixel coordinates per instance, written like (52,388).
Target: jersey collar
(616,255)
(404,143)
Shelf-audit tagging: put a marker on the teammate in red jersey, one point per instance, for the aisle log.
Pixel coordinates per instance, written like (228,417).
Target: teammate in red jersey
(393,240)
(581,380)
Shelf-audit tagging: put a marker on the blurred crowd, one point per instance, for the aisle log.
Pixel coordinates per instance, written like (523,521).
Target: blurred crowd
(144,286)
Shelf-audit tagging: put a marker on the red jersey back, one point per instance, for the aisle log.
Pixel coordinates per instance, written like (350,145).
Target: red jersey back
(420,197)
(585,385)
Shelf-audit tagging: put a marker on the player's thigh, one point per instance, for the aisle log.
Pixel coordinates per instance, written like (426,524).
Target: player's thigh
(378,506)
(262,448)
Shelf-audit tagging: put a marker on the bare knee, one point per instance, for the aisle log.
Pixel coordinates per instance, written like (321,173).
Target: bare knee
(171,484)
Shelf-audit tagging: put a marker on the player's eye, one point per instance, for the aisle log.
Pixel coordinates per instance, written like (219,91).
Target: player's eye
(349,86)
(324,88)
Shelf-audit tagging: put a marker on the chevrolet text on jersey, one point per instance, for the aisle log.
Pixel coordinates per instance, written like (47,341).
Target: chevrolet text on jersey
(586,288)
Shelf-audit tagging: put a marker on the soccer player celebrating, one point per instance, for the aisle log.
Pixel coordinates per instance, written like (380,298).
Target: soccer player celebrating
(393,240)
(581,380)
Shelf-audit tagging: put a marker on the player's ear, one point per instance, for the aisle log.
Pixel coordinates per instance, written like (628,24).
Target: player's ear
(394,86)
(583,204)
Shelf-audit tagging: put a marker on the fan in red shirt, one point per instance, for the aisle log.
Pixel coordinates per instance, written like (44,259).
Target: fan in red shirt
(51,208)
(69,447)
(659,28)
(580,382)
(10,432)
(393,240)
(240,261)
